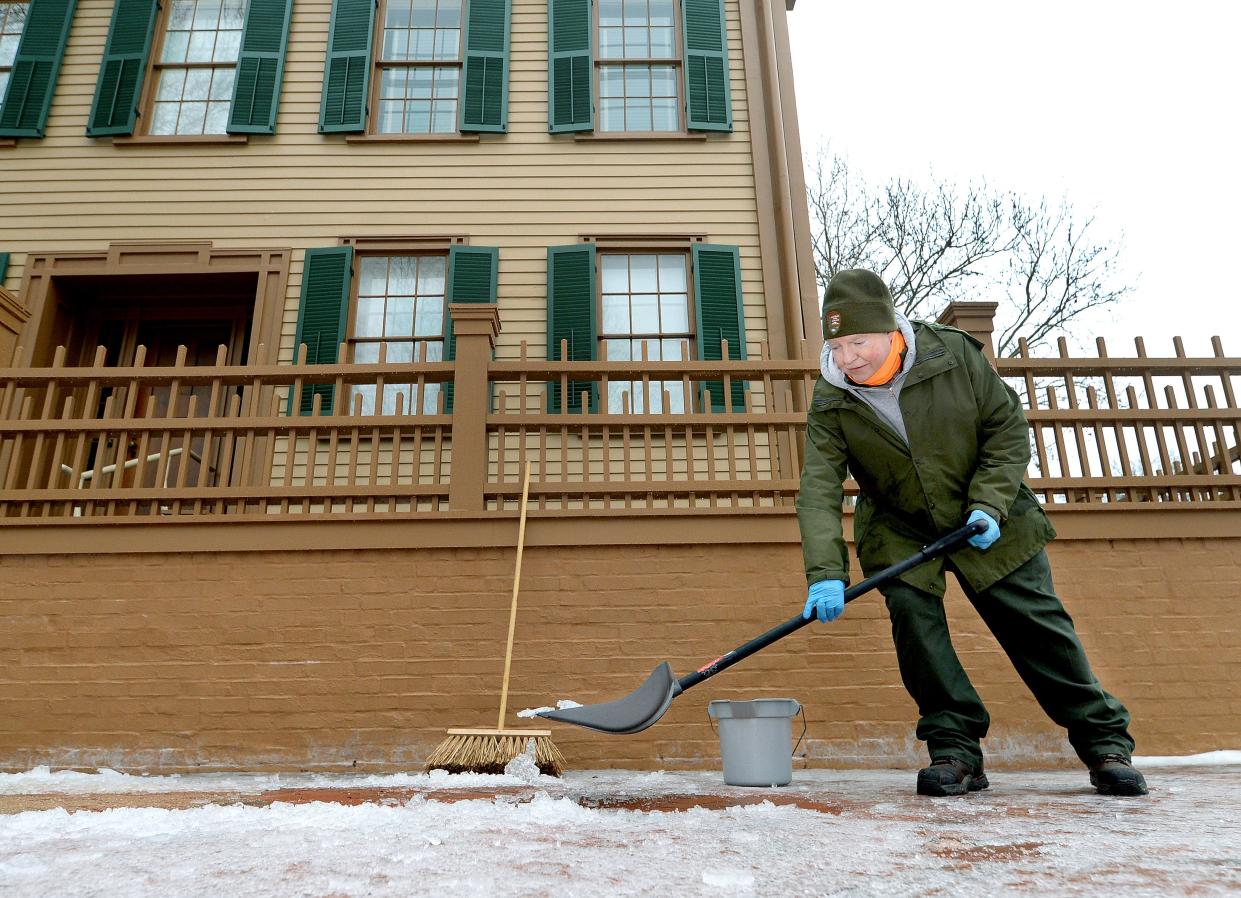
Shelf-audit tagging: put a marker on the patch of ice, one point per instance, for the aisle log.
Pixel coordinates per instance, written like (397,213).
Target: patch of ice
(524,767)
(728,879)
(1222,758)
(534,712)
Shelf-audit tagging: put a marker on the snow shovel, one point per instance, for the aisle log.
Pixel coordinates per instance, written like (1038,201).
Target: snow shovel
(646,704)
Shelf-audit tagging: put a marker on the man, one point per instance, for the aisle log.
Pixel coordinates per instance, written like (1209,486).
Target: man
(935,439)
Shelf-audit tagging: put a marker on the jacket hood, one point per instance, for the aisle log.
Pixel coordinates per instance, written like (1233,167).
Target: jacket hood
(834,376)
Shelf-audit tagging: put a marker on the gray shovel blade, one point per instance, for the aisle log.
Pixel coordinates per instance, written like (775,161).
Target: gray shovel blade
(631,714)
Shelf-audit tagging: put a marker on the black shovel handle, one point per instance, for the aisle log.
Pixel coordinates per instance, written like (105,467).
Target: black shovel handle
(941,546)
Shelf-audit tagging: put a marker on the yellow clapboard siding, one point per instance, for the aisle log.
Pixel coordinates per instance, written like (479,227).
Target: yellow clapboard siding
(522,191)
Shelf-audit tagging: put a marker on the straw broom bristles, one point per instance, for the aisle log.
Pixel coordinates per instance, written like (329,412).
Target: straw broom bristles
(489,751)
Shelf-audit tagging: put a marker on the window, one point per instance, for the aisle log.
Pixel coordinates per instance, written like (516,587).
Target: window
(614,300)
(197,66)
(12,23)
(400,306)
(650,67)
(640,94)
(645,305)
(419,67)
(416,67)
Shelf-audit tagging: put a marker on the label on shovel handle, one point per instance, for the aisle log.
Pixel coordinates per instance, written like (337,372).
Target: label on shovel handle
(711,664)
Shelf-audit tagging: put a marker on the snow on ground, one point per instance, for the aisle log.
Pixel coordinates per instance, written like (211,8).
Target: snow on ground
(861,832)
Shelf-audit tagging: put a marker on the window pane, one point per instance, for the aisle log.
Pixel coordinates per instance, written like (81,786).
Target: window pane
(192,118)
(449,14)
(446,82)
(642,277)
(662,42)
(402,275)
(401,351)
(399,320)
(663,81)
(612,115)
(202,46)
(207,15)
(637,81)
(661,12)
(612,81)
(674,313)
(431,275)
(645,310)
(423,14)
(396,14)
(222,84)
(672,273)
(233,15)
(366,353)
(611,43)
(171,85)
(228,46)
(430,318)
(615,314)
(664,115)
(182,16)
(391,116)
(418,117)
(447,43)
(217,118)
(373,276)
(616,350)
(176,45)
(638,115)
(671,350)
(420,83)
(395,44)
(615,270)
(637,44)
(370,321)
(197,84)
(636,12)
(422,44)
(165,119)
(609,12)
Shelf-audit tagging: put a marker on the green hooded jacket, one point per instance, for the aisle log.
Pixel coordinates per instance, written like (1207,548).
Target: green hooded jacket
(969,445)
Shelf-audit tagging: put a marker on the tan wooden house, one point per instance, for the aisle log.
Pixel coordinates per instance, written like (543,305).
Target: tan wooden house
(292,294)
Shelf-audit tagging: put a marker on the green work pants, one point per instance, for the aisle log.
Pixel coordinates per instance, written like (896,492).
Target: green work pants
(1024,613)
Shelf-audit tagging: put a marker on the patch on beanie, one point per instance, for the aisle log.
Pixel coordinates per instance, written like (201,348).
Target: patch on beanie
(833,322)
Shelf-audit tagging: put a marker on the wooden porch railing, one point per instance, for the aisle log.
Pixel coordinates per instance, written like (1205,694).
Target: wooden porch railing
(167,444)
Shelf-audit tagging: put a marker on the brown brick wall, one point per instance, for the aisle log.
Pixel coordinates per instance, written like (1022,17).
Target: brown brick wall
(324,659)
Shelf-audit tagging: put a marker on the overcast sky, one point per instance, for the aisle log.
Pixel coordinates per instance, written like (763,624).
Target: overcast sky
(1129,109)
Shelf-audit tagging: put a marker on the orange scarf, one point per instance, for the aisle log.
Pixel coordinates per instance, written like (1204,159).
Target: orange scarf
(891,364)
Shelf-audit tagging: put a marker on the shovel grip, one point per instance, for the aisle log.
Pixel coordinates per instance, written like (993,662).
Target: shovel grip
(941,546)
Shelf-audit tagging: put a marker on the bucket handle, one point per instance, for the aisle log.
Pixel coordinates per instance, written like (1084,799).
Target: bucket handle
(801,709)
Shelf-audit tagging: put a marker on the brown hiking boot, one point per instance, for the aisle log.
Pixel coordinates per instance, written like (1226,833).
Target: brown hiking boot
(1116,775)
(949,776)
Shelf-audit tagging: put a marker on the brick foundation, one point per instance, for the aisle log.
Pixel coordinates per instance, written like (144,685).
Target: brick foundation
(323,660)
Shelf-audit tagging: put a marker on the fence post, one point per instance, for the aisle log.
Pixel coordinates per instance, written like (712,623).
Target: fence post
(975,318)
(476,326)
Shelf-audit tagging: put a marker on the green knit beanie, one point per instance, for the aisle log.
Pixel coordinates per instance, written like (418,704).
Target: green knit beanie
(857,301)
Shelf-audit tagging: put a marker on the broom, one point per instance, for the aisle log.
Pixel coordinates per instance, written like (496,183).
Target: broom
(489,751)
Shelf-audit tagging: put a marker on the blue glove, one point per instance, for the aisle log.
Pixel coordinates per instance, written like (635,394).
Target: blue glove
(982,541)
(827,599)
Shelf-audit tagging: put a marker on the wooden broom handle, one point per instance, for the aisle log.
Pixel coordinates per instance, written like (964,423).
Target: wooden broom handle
(512,614)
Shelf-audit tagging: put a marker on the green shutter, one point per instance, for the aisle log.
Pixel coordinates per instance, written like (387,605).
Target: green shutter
(473,273)
(4,267)
(484,105)
(717,301)
(32,80)
(708,107)
(260,67)
(124,65)
(322,321)
(571,316)
(347,71)
(569,64)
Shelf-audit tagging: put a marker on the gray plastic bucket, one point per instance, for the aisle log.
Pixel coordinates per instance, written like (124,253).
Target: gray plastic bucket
(754,740)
